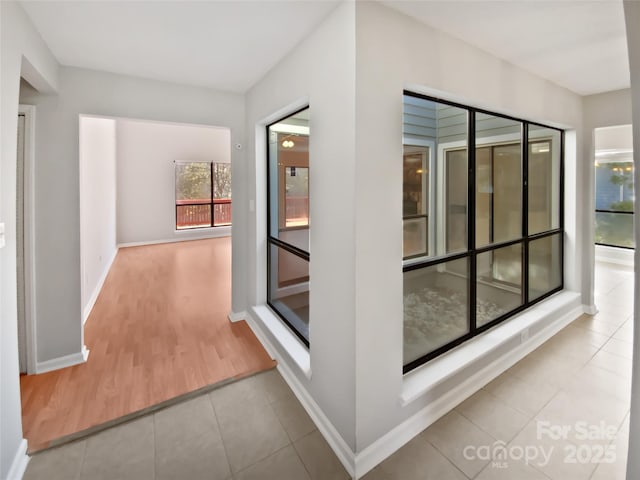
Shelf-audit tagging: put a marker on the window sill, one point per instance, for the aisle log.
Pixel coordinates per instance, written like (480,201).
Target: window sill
(285,340)
(219,231)
(471,353)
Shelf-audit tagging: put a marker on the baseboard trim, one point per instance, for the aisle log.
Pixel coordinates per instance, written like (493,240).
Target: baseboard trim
(19,463)
(220,234)
(326,428)
(329,432)
(63,362)
(237,316)
(590,309)
(96,291)
(393,440)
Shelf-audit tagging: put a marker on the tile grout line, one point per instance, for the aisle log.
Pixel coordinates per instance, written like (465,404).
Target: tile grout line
(224,446)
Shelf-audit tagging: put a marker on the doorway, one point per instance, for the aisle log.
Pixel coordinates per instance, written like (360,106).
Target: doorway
(24,239)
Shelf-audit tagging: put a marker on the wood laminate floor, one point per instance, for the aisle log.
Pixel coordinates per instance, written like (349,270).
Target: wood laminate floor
(158,330)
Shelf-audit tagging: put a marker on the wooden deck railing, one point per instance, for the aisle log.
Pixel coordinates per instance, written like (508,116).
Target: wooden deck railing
(197,213)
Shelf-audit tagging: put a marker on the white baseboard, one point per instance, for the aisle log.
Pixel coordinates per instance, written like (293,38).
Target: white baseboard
(98,288)
(63,362)
(237,316)
(590,309)
(392,441)
(359,464)
(19,463)
(220,232)
(326,428)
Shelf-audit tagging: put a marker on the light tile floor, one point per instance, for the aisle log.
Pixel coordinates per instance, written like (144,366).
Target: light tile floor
(256,429)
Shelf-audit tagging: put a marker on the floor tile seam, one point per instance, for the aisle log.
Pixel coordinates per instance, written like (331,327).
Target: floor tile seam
(506,442)
(155,445)
(247,467)
(595,466)
(82,459)
(224,444)
(295,449)
(523,412)
(445,456)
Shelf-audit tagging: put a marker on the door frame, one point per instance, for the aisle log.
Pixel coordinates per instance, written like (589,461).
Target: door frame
(29,111)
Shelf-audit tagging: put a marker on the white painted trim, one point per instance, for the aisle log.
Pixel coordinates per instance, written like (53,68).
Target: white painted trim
(331,435)
(237,316)
(219,234)
(63,362)
(19,463)
(590,309)
(386,445)
(423,379)
(29,239)
(295,349)
(617,256)
(96,291)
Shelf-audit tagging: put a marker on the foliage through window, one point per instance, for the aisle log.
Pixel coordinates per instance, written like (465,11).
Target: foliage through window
(203,195)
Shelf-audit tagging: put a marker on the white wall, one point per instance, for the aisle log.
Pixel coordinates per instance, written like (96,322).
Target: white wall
(355,273)
(632,20)
(97,158)
(146,176)
(57,182)
(320,72)
(395,52)
(23,52)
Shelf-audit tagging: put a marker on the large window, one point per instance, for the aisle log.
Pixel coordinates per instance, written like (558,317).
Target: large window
(203,195)
(482,226)
(614,198)
(288,221)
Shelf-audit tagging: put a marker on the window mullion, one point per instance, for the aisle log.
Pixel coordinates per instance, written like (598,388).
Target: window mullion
(471,219)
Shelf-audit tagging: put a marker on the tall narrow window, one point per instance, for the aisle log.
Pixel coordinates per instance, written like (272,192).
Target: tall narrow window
(203,195)
(288,221)
(482,225)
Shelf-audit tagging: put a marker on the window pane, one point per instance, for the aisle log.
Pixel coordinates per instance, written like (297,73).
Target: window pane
(435,307)
(434,177)
(296,197)
(545,262)
(415,236)
(615,229)
(288,167)
(222,194)
(614,185)
(499,282)
(193,181)
(193,195)
(499,179)
(544,179)
(289,288)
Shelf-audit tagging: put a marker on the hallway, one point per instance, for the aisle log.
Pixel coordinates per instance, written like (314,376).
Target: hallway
(256,428)
(158,330)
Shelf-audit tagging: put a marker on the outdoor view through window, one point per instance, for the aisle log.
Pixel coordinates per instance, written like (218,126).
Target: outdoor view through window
(203,194)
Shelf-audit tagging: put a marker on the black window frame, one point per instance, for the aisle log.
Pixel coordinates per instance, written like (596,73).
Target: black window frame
(212,200)
(278,243)
(473,250)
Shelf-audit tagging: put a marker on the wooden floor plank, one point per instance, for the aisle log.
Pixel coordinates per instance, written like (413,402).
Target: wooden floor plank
(159,329)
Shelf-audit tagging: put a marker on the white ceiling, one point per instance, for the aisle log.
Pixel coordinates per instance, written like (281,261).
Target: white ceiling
(227,45)
(230,45)
(578,44)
